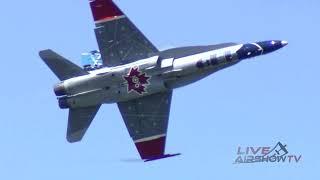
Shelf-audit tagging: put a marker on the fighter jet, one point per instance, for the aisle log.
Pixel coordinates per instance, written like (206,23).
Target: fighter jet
(137,76)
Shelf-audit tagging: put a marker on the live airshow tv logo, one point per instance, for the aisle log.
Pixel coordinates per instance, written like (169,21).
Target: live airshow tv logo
(268,154)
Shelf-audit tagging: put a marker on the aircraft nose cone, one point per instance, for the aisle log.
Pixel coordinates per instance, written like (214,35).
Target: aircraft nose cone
(270,46)
(284,43)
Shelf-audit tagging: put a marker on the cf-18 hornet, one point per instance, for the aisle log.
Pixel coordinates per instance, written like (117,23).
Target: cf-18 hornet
(130,71)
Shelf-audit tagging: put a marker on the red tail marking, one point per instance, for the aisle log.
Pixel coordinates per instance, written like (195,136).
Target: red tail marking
(104,9)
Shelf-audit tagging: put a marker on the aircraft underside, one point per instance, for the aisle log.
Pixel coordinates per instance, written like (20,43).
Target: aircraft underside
(130,71)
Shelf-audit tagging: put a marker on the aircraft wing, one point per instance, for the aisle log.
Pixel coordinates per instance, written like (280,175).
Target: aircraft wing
(146,119)
(120,41)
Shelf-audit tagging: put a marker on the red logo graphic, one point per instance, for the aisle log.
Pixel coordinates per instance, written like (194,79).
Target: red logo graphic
(137,81)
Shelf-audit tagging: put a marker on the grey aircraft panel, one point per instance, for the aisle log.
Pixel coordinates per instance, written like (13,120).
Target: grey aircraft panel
(190,50)
(62,68)
(79,121)
(147,116)
(121,42)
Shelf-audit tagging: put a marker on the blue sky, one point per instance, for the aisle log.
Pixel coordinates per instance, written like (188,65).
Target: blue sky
(256,103)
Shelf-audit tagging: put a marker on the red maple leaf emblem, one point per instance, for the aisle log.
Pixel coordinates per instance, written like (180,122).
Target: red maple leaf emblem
(137,81)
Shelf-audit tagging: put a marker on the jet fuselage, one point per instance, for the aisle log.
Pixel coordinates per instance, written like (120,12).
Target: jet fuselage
(161,72)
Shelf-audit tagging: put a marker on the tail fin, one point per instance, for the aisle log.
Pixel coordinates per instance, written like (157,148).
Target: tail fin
(61,67)
(79,121)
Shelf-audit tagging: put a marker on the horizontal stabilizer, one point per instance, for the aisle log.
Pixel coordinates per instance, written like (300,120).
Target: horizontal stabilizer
(61,67)
(79,121)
